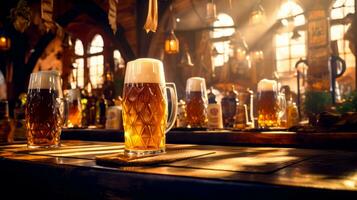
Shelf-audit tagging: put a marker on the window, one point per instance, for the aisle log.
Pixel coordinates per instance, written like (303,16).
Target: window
(288,50)
(223,47)
(78,71)
(118,60)
(339,10)
(96,61)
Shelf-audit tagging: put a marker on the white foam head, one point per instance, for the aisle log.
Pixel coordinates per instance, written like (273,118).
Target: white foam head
(196,84)
(267,85)
(45,80)
(145,70)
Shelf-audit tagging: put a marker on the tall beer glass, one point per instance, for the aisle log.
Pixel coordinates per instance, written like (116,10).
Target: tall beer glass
(145,112)
(196,102)
(44,110)
(74,108)
(270,104)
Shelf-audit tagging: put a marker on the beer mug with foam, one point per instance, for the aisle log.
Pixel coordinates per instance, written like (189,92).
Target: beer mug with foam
(44,110)
(270,104)
(196,102)
(145,107)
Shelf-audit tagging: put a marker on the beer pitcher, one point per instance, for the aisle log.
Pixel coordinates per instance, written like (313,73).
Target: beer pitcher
(145,107)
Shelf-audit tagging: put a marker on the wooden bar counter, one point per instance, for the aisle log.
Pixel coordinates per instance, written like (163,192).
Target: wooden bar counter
(234,172)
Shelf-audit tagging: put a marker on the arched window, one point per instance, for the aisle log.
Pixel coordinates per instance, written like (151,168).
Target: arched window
(78,71)
(339,10)
(96,61)
(288,49)
(223,47)
(119,62)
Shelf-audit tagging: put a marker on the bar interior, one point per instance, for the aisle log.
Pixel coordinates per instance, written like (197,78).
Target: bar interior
(178,99)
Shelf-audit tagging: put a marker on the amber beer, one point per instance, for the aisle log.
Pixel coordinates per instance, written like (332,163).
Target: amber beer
(44,110)
(196,102)
(74,108)
(145,110)
(267,103)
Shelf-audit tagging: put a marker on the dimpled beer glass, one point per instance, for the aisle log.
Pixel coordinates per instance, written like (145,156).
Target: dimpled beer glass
(145,107)
(44,110)
(271,104)
(196,102)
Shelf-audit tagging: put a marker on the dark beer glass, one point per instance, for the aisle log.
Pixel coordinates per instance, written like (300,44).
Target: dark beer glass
(196,102)
(44,110)
(145,112)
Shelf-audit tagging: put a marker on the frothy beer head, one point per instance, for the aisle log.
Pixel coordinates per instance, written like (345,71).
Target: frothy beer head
(45,80)
(195,84)
(267,85)
(145,70)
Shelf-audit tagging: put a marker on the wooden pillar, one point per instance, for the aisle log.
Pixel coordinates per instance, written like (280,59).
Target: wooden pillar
(318,45)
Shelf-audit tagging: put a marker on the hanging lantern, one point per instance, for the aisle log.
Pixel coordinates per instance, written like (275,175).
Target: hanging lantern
(257,16)
(172,43)
(5,43)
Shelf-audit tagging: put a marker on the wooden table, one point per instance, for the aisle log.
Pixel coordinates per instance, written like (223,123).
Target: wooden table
(234,172)
(316,140)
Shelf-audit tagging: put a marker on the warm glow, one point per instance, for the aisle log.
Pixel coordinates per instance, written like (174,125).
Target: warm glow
(81,151)
(4,43)
(172,44)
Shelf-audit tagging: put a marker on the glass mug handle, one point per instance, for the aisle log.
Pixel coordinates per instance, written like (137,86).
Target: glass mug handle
(171,87)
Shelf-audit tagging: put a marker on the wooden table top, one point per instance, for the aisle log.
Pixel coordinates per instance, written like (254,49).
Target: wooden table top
(229,168)
(315,140)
